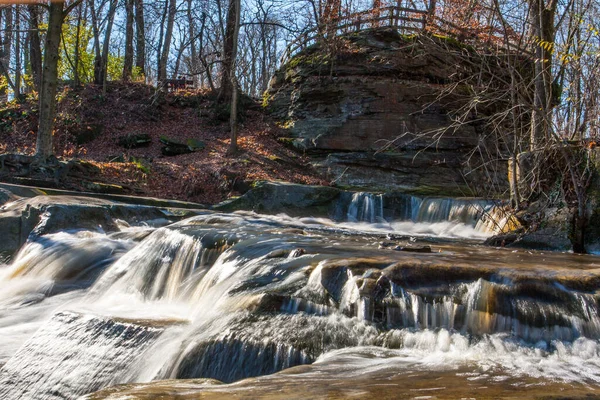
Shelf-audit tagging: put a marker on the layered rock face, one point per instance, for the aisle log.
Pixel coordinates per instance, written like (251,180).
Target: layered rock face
(382,113)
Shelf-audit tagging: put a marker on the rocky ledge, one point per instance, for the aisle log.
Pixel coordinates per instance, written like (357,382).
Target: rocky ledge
(30,212)
(381,113)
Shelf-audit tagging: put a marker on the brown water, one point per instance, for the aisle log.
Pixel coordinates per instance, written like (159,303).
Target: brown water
(336,380)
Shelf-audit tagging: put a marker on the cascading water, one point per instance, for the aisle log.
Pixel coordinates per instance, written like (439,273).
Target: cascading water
(365,207)
(448,217)
(233,296)
(466,212)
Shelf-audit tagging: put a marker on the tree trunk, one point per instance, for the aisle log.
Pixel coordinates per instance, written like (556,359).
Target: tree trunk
(18,64)
(164,58)
(542,22)
(77,56)
(35,48)
(6,48)
(233,120)
(106,45)
(175,74)
(27,62)
(253,81)
(140,41)
(161,37)
(264,70)
(98,53)
(128,59)
(228,50)
(208,70)
(49,80)
(201,59)
(578,225)
(193,52)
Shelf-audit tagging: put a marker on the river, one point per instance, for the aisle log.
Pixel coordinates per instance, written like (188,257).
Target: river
(278,307)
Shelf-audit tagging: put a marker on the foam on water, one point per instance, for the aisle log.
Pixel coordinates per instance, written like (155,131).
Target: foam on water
(230,296)
(576,361)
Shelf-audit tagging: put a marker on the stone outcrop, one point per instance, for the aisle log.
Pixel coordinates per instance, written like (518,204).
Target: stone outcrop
(6,196)
(29,217)
(380,115)
(277,197)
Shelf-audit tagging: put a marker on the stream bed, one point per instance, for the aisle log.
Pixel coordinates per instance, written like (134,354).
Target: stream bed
(248,305)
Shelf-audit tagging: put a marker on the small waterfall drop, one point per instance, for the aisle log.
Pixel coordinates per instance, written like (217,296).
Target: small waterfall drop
(58,263)
(481,217)
(466,212)
(365,207)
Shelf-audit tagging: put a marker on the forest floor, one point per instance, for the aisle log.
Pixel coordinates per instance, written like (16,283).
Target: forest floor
(90,126)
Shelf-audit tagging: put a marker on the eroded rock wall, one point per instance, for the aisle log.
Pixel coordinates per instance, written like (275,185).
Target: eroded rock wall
(382,114)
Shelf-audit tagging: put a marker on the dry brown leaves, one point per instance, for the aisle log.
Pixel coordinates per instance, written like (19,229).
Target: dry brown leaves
(206,176)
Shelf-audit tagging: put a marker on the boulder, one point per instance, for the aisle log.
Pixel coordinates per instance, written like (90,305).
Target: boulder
(381,114)
(431,174)
(551,234)
(99,187)
(135,141)
(174,148)
(276,197)
(6,196)
(413,249)
(88,132)
(28,218)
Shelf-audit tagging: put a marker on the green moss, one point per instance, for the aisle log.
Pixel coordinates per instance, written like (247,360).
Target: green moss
(265,100)
(139,164)
(275,158)
(308,60)
(288,124)
(452,41)
(409,37)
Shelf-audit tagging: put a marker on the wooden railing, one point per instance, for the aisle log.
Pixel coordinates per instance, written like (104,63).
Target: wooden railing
(405,20)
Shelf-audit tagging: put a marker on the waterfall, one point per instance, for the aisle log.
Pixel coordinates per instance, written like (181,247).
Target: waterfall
(485,217)
(484,307)
(467,212)
(233,296)
(58,263)
(366,207)
(162,266)
(496,220)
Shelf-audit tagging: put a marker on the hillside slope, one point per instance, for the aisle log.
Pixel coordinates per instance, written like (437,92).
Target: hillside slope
(93,127)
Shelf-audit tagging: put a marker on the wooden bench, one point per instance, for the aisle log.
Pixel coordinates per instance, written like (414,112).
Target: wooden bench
(177,84)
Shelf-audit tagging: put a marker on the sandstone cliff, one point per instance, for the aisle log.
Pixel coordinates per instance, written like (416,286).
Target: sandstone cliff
(379,113)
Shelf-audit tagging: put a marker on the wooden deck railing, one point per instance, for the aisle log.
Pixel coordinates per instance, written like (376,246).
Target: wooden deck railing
(405,20)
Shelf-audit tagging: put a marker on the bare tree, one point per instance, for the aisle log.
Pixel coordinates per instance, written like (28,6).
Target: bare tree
(166,47)
(56,16)
(542,16)
(229,50)
(233,119)
(35,47)
(140,41)
(128,58)
(106,43)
